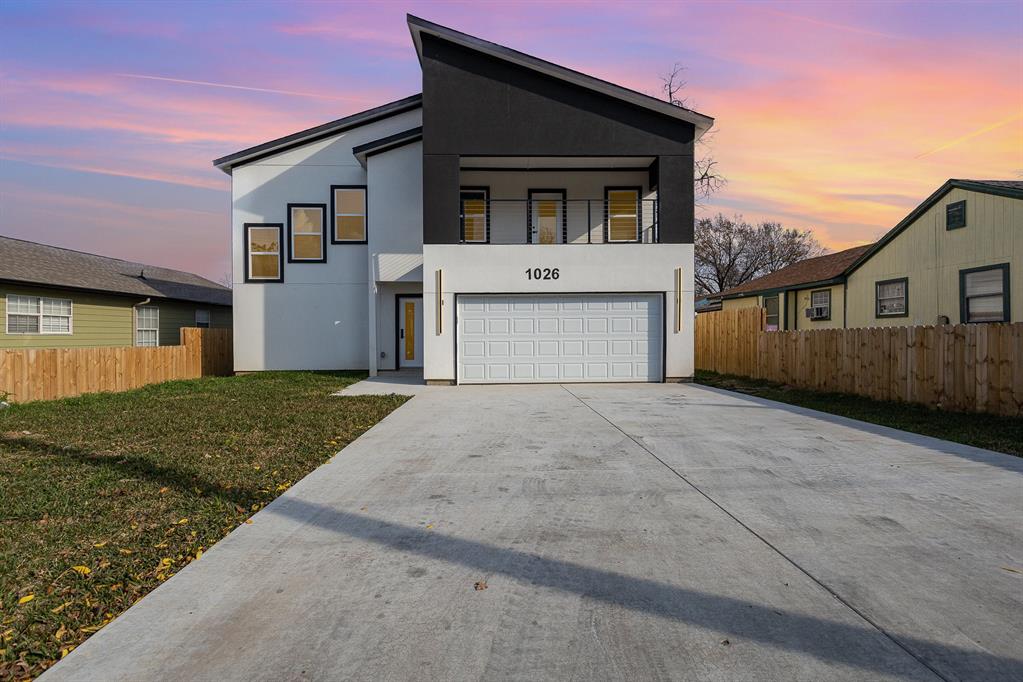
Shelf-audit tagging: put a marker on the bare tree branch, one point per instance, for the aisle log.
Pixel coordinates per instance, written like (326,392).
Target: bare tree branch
(707,178)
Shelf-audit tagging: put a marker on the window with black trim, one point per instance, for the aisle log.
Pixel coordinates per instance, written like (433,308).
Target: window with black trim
(820,304)
(622,213)
(348,208)
(984,294)
(955,215)
(307,233)
(892,298)
(475,214)
(263,261)
(202,319)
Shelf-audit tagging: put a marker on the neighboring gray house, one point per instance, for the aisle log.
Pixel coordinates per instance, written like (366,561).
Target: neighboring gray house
(516,222)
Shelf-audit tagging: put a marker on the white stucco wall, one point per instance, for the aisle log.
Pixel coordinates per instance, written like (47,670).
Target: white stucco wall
(490,268)
(318,318)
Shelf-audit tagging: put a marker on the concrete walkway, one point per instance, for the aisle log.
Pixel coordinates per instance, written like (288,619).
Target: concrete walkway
(620,532)
(401,382)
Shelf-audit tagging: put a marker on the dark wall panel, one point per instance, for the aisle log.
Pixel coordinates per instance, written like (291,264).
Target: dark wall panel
(477,105)
(440,199)
(675,198)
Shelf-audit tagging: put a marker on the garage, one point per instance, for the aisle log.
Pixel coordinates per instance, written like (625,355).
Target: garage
(529,338)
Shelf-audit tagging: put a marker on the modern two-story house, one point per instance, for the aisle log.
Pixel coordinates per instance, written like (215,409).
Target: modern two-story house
(517,221)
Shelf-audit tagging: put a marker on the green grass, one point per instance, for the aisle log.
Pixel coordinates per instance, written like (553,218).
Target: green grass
(107,495)
(1002,434)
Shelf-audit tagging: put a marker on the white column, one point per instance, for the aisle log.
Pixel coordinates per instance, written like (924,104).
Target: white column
(372,288)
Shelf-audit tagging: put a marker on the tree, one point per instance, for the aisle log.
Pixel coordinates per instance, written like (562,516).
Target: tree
(708,178)
(730,251)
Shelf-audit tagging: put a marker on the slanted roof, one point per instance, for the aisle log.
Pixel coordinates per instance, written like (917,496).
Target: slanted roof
(32,263)
(227,163)
(388,143)
(1003,188)
(819,270)
(418,26)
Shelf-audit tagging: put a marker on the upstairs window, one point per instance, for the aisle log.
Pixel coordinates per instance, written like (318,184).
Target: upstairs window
(475,219)
(307,227)
(348,206)
(38,315)
(622,214)
(892,298)
(202,319)
(984,294)
(263,252)
(955,215)
(147,326)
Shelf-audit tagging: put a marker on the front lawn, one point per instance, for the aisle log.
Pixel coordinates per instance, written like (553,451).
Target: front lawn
(992,432)
(103,497)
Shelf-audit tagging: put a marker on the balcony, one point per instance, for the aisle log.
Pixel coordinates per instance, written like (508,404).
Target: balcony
(548,217)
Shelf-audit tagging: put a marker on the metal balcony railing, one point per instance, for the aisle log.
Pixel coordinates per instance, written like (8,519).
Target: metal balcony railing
(544,220)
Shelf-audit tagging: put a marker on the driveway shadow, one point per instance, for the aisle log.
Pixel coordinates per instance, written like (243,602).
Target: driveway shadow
(861,647)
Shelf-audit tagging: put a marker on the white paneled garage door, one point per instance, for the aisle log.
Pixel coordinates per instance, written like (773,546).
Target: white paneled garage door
(527,338)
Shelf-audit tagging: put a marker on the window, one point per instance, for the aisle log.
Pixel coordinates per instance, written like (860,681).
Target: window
(307,227)
(348,206)
(147,326)
(820,304)
(37,315)
(955,215)
(263,252)
(892,298)
(475,214)
(984,294)
(622,206)
(771,303)
(202,319)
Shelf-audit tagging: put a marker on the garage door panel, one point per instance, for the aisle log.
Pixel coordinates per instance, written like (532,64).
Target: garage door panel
(550,338)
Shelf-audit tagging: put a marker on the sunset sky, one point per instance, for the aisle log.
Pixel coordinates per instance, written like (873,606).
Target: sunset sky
(839,117)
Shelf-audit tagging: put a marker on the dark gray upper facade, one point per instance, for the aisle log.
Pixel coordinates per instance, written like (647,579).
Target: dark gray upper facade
(521,106)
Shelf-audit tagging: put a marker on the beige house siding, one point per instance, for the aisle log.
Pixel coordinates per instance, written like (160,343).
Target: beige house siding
(931,257)
(736,303)
(799,301)
(104,320)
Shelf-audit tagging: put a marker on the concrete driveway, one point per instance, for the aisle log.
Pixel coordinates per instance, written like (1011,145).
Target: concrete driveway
(622,532)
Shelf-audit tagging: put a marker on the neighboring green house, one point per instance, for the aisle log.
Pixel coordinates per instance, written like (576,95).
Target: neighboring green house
(58,298)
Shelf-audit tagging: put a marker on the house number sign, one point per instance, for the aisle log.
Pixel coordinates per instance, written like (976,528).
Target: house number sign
(542,273)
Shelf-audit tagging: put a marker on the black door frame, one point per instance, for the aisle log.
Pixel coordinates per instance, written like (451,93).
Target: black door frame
(397,328)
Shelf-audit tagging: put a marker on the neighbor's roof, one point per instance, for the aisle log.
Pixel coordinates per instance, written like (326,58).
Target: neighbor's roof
(32,263)
(810,271)
(418,26)
(226,163)
(1003,188)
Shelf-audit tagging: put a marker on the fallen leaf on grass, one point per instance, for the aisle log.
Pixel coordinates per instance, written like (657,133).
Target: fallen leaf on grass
(198,554)
(480,585)
(81,570)
(66,650)
(164,489)
(181,522)
(100,544)
(124,551)
(26,599)
(248,520)
(59,634)
(61,607)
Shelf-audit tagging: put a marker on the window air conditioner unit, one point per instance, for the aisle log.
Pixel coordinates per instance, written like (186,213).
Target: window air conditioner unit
(819,312)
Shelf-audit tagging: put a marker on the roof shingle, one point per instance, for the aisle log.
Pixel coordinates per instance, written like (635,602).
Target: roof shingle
(32,263)
(819,269)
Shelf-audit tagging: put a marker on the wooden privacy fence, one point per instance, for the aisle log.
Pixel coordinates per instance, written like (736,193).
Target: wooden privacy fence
(49,373)
(966,367)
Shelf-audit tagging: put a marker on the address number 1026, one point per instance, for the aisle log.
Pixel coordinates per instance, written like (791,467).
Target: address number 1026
(542,273)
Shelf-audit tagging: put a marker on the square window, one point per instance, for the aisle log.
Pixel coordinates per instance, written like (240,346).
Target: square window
(984,294)
(955,215)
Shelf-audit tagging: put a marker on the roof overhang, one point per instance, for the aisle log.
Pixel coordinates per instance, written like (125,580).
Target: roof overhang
(800,286)
(303,137)
(385,144)
(418,27)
